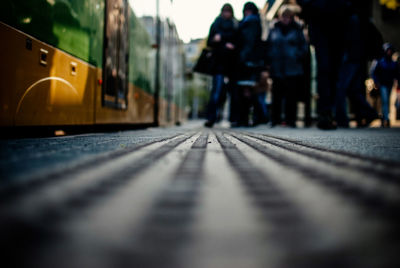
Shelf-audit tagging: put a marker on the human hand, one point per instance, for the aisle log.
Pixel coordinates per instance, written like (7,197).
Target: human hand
(217,38)
(230,46)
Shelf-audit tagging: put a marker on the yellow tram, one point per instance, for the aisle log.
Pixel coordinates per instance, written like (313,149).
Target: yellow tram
(89,62)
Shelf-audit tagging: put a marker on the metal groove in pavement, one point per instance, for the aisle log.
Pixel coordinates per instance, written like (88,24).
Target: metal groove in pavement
(167,227)
(293,235)
(374,160)
(13,190)
(162,232)
(370,200)
(42,221)
(384,170)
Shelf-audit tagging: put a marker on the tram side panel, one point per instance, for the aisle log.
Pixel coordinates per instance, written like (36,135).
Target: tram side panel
(42,85)
(51,51)
(54,66)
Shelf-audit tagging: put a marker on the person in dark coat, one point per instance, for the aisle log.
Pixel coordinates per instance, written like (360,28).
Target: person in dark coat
(344,39)
(286,49)
(352,73)
(222,38)
(327,30)
(250,59)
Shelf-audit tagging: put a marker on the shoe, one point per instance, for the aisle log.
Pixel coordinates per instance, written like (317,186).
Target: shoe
(308,123)
(325,122)
(367,121)
(291,124)
(209,124)
(234,124)
(343,125)
(237,125)
(385,123)
(260,122)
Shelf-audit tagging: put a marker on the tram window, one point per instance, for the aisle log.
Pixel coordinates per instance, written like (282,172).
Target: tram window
(115,86)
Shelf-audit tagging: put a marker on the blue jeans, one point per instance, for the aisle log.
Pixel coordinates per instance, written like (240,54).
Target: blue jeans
(385,98)
(260,108)
(218,90)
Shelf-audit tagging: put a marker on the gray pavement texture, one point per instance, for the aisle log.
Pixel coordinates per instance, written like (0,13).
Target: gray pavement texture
(372,142)
(21,159)
(194,197)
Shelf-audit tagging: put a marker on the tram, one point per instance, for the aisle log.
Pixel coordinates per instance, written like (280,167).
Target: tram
(89,62)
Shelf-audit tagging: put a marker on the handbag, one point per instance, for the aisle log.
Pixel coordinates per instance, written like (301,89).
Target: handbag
(206,62)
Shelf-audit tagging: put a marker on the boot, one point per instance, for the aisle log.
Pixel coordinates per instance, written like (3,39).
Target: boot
(385,123)
(325,122)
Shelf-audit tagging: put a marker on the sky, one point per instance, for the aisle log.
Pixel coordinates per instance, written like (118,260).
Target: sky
(193,18)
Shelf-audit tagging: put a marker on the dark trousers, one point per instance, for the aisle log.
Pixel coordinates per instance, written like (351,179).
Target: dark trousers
(350,84)
(285,90)
(234,101)
(245,103)
(329,51)
(217,94)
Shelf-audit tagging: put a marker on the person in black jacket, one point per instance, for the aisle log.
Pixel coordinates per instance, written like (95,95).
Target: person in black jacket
(250,59)
(286,49)
(327,30)
(344,39)
(352,74)
(222,38)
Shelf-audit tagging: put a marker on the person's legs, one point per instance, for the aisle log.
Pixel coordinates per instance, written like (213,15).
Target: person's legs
(213,103)
(233,102)
(277,95)
(363,110)
(345,82)
(306,98)
(325,87)
(328,55)
(244,105)
(385,98)
(292,86)
(260,109)
(221,101)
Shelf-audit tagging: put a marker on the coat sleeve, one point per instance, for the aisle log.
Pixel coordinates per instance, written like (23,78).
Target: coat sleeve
(212,33)
(267,49)
(302,45)
(250,38)
(374,71)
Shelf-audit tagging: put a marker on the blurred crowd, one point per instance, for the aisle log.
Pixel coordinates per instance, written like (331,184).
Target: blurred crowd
(344,40)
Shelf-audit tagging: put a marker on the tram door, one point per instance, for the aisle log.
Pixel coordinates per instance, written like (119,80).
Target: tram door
(116,55)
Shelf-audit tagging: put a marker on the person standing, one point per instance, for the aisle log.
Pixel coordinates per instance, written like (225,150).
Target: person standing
(286,49)
(362,43)
(327,29)
(222,38)
(384,72)
(250,59)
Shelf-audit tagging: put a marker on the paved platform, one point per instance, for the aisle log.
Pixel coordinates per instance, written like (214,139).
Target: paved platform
(195,197)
